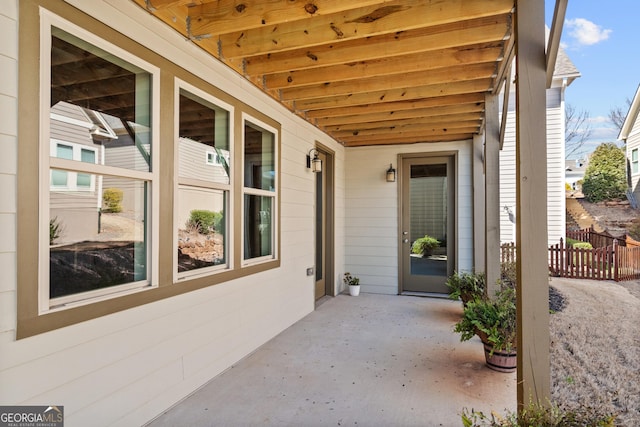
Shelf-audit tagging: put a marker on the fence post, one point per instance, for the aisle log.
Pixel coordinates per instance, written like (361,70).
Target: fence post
(615,260)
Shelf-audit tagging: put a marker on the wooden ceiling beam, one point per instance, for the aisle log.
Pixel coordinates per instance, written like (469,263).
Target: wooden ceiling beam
(425,120)
(327,122)
(229,16)
(466,33)
(411,129)
(386,18)
(480,85)
(400,81)
(421,134)
(423,61)
(410,140)
(391,107)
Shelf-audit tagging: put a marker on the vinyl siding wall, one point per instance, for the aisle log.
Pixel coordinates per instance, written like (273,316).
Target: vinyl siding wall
(127,367)
(371,235)
(556,205)
(633,142)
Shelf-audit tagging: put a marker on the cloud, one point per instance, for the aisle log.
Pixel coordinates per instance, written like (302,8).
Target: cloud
(586,32)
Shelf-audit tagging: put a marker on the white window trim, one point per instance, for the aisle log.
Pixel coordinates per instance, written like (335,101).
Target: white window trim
(635,162)
(45,303)
(259,192)
(179,181)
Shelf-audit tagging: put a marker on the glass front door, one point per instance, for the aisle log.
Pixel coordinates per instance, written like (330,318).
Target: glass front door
(427,229)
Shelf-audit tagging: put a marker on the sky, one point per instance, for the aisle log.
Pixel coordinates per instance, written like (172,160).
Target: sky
(602,39)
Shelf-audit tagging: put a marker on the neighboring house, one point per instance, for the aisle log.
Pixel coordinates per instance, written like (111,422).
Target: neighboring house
(574,171)
(119,328)
(630,134)
(565,73)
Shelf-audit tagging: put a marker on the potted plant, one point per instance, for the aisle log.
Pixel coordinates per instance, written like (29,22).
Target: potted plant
(494,321)
(354,284)
(424,246)
(466,286)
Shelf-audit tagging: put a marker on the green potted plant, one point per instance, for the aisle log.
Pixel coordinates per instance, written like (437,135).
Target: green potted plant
(353,282)
(466,286)
(494,321)
(425,245)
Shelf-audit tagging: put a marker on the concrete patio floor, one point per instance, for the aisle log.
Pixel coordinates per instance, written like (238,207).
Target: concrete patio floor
(371,360)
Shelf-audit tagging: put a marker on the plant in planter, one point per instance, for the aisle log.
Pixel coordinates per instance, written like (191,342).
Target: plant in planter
(353,282)
(425,245)
(494,321)
(466,286)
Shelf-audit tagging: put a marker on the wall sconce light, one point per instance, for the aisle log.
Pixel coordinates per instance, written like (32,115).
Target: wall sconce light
(315,163)
(391,174)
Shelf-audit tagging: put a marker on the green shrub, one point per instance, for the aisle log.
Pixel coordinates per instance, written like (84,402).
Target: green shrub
(55,229)
(112,198)
(466,286)
(570,242)
(605,177)
(205,221)
(425,245)
(582,245)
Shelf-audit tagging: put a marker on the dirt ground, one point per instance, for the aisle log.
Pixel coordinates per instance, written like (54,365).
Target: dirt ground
(595,348)
(612,217)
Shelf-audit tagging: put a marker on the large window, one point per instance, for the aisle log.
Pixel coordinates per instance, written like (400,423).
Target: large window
(133,188)
(100,148)
(259,191)
(204,182)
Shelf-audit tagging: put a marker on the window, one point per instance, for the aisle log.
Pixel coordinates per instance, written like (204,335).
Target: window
(259,201)
(100,184)
(634,160)
(203,189)
(72,181)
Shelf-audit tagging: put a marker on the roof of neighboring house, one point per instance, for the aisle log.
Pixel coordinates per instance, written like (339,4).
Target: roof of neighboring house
(631,116)
(575,167)
(565,68)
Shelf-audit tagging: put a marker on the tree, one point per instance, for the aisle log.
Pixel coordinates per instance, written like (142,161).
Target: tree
(577,129)
(617,115)
(605,177)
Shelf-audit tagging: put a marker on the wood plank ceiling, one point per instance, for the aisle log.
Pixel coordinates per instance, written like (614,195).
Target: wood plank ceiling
(367,72)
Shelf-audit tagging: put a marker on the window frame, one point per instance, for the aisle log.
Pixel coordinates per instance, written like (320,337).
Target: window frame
(634,161)
(275,194)
(49,20)
(181,85)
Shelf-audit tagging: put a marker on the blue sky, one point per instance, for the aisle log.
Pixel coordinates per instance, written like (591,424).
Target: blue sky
(602,39)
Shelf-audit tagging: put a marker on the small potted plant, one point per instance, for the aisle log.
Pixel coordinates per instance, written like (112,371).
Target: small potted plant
(424,246)
(494,321)
(466,286)
(353,282)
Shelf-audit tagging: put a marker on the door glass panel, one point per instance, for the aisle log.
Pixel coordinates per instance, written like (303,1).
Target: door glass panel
(428,207)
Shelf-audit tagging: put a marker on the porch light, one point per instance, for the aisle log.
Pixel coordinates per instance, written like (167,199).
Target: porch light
(391,174)
(315,163)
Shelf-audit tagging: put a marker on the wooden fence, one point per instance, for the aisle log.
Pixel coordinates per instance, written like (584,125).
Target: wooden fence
(612,262)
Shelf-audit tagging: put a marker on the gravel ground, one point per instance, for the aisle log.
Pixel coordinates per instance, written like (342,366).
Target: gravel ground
(595,348)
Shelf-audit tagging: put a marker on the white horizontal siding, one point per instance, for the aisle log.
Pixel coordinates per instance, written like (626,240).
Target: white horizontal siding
(556,216)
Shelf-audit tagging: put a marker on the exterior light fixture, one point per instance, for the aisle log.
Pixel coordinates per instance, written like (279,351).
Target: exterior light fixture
(315,163)
(391,174)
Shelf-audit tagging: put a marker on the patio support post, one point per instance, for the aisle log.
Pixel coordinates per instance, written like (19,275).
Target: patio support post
(492,193)
(478,204)
(531,205)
